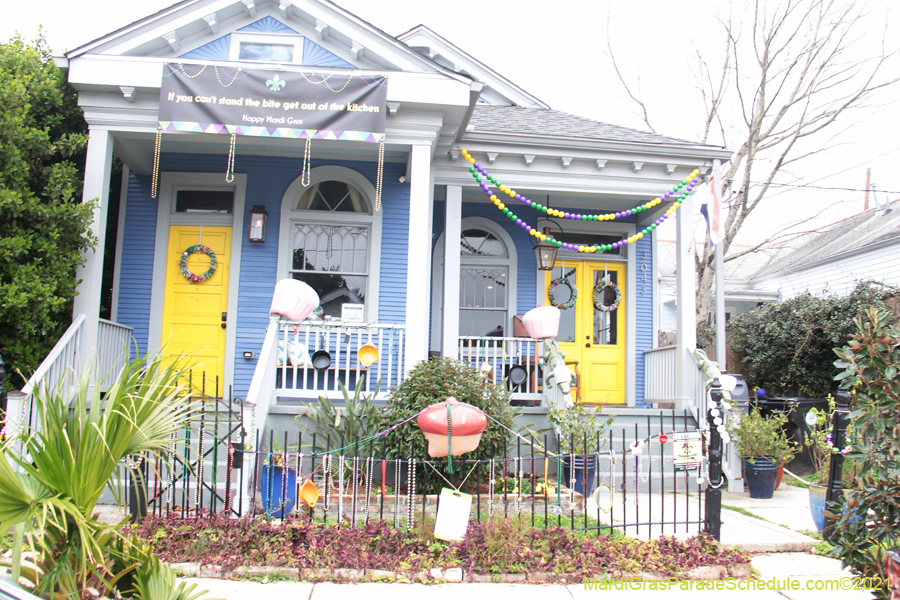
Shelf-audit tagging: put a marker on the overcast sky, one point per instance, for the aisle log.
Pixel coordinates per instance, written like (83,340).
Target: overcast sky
(559,56)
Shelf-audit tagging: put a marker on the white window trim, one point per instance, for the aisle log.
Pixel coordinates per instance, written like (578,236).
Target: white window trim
(289,215)
(266,38)
(437,268)
(169,184)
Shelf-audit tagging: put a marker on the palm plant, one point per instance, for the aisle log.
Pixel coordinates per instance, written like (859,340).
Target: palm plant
(66,463)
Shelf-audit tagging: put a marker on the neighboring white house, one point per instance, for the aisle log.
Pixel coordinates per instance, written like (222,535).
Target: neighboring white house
(833,259)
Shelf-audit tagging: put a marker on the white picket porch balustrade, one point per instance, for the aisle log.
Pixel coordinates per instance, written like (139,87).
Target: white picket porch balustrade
(497,355)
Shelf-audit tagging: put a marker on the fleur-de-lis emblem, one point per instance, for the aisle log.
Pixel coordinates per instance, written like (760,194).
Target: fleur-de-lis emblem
(275,84)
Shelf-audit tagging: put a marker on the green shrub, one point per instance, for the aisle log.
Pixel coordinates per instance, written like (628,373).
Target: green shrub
(869,517)
(788,347)
(44,228)
(434,381)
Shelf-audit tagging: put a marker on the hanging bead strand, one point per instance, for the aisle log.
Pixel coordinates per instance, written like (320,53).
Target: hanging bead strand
(379,178)
(304,173)
(410,494)
(154,182)
(229,169)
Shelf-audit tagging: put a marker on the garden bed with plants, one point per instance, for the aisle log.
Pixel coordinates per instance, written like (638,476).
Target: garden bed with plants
(498,547)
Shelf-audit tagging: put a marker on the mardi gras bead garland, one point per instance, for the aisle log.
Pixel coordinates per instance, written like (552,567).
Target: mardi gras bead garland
(688,182)
(600,291)
(193,277)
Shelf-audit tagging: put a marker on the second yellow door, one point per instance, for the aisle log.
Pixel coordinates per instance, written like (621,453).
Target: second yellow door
(593,339)
(195,314)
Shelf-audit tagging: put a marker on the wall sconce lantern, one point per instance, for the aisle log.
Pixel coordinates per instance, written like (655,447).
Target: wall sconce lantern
(258,216)
(546,253)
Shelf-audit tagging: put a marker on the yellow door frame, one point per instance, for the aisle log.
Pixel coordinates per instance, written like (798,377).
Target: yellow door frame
(601,367)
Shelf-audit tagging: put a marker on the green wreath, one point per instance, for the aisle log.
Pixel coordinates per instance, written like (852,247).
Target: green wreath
(572,288)
(600,291)
(193,277)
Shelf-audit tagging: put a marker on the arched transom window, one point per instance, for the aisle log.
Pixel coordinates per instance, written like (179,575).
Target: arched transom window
(331,253)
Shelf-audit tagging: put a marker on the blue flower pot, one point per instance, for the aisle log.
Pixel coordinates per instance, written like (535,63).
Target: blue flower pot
(817,505)
(273,503)
(584,473)
(761,475)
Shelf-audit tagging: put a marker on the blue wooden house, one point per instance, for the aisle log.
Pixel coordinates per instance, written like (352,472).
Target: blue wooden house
(390,226)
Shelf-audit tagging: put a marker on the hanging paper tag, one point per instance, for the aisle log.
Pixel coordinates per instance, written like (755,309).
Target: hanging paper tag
(453,515)
(686,451)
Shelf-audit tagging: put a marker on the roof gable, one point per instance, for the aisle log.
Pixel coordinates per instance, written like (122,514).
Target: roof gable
(854,233)
(313,54)
(206,30)
(498,90)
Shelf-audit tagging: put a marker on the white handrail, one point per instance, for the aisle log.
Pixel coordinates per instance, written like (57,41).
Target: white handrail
(659,374)
(113,340)
(60,364)
(262,386)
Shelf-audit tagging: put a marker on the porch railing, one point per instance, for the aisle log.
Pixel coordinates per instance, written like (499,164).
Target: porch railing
(299,344)
(59,369)
(498,355)
(659,380)
(113,341)
(659,374)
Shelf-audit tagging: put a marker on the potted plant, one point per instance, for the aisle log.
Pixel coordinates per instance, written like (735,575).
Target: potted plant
(818,441)
(579,436)
(821,448)
(762,443)
(278,484)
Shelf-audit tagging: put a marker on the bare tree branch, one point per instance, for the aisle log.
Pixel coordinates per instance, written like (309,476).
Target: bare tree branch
(636,99)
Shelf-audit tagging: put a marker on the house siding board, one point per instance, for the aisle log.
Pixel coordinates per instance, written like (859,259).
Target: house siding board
(839,276)
(267,180)
(394,241)
(135,281)
(643,306)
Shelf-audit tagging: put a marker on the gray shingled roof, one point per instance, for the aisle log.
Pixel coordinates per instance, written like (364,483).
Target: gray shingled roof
(858,231)
(553,123)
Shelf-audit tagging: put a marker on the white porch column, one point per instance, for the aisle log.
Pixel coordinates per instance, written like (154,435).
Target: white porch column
(686,337)
(418,261)
(96,185)
(452,232)
(721,358)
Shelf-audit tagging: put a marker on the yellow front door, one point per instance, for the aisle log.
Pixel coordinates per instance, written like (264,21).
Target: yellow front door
(592,339)
(194,314)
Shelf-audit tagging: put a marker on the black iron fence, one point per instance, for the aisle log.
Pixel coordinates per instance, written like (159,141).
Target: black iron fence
(629,479)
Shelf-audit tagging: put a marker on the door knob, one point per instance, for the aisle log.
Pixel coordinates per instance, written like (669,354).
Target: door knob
(588,345)
(224,325)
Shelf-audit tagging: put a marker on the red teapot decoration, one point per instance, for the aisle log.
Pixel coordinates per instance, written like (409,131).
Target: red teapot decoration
(466,424)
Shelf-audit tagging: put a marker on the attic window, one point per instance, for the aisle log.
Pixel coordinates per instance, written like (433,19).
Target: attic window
(266,52)
(266,47)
